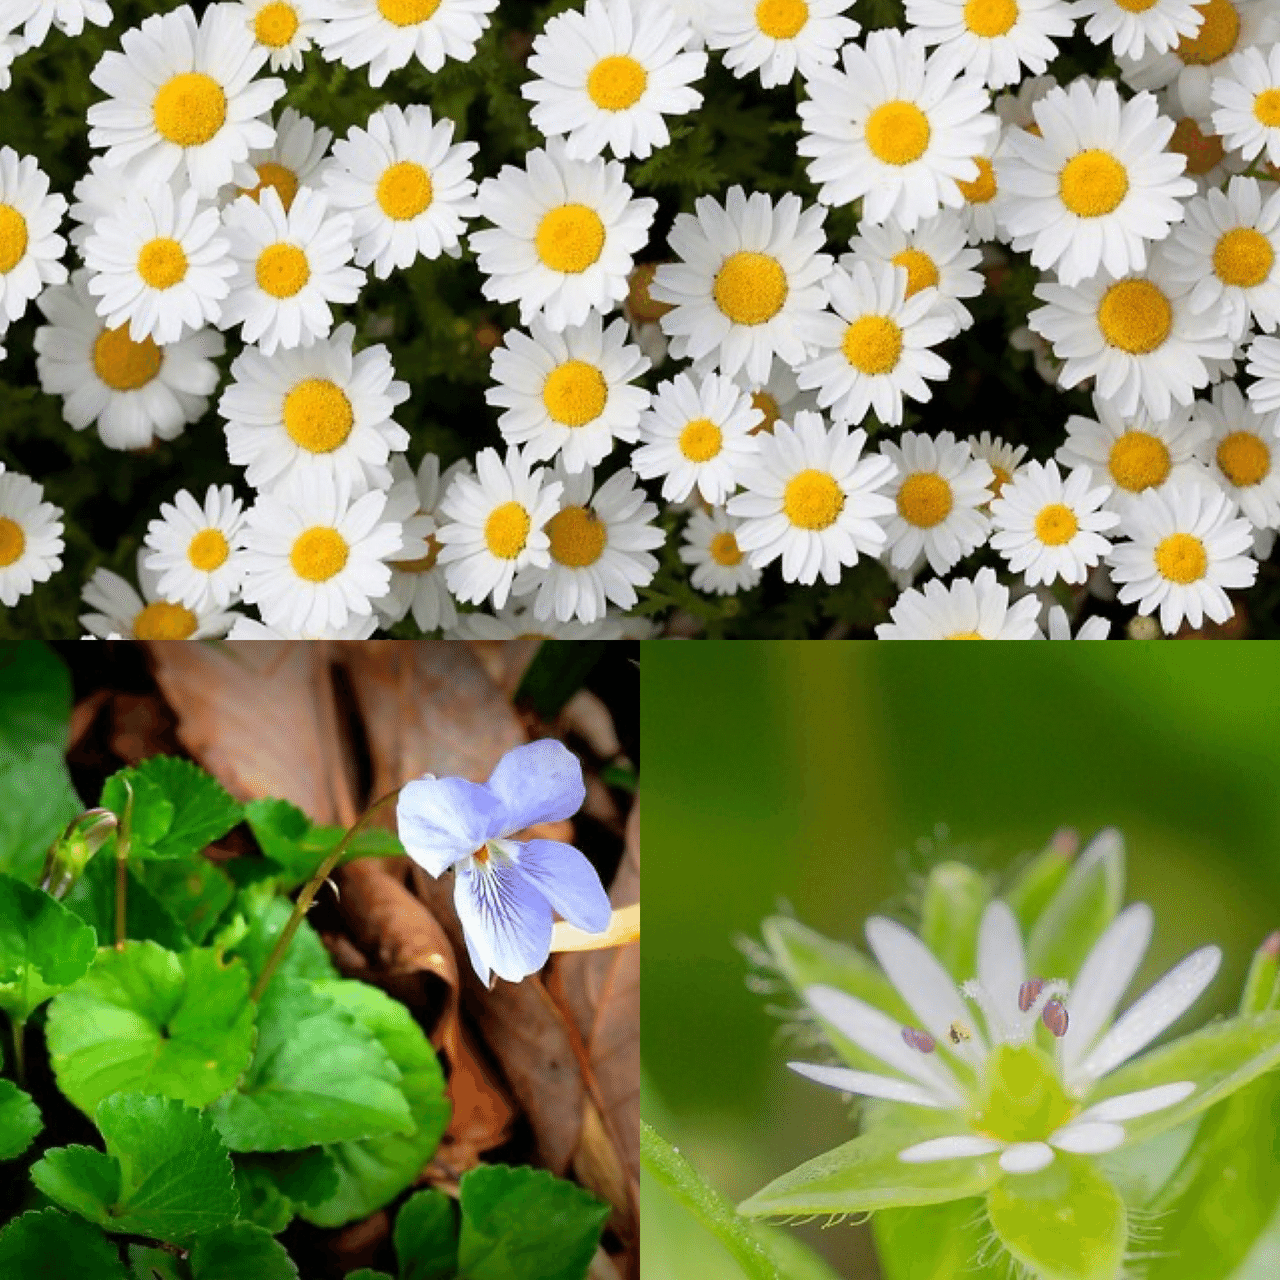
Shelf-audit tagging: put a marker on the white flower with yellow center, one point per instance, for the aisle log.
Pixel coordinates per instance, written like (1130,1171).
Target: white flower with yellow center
(121,613)
(993,39)
(289,268)
(697,433)
(1047,527)
(778,37)
(30,247)
(895,129)
(30,537)
(136,392)
(101,190)
(192,549)
(385,34)
(710,547)
(608,75)
(159,264)
(284,28)
(1095,185)
(982,210)
(813,499)
(516,622)
(407,186)
(1133,26)
(965,609)
(1209,163)
(569,393)
(295,159)
(1243,453)
(35,17)
(1264,364)
(600,546)
(1246,100)
(492,525)
(876,350)
(183,96)
(355,628)
(563,236)
(1187,546)
(1059,626)
(315,554)
(1138,336)
(748,282)
(1003,458)
(312,411)
(938,493)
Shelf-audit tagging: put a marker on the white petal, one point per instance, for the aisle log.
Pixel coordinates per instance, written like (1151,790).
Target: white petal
(949,1149)
(1125,1106)
(1088,1139)
(1026,1157)
(867,1084)
(1172,996)
(1002,963)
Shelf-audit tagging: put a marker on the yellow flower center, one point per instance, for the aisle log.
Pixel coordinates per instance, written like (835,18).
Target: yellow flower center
(897,132)
(1093,183)
(507,530)
(1135,316)
(575,393)
(1001,478)
(750,288)
(318,415)
(616,83)
(872,344)
(404,190)
(724,550)
(13,542)
(275,24)
(1216,38)
(767,405)
(570,238)
(982,190)
(925,499)
(990,18)
(1244,459)
(189,109)
(812,500)
(1056,524)
(208,550)
(282,270)
(319,553)
(407,13)
(781,19)
(270,174)
(1136,6)
(1139,460)
(423,564)
(577,537)
(164,621)
(125,365)
(922,272)
(1203,150)
(965,635)
(643,306)
(1243,258)
(1181,558)
(1266,106)
(700,440)
(13,238)
(162,263)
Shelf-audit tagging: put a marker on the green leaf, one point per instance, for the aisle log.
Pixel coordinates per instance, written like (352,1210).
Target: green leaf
(955,896)
(287,837)
(261,1200)
(39,802)
(35,698)
(147,1020)
(1066,1222)
(934,1242)
(306,1177)
(525,1224)
(155,1264)
(240,1250)
(1138,1170)
(53,1246)
(93,899)
(426,1237)
(166,1173)
(558,670)
(367,1273)
(193,809)
(266,914)
(44,948)
(150,816)
(19,1120)
(372,1173)
(194,891)
(317,1077)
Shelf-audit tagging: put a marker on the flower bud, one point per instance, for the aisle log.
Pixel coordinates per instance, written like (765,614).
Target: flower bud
(70,852)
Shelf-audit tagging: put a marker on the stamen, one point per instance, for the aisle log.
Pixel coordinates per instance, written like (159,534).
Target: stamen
(918,1039)
(1028,992)
(959,1032)
(1055,1017)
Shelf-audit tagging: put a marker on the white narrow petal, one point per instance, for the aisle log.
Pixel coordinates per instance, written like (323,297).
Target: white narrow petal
(1106,973)
(878,1034)
(1088,1139)
(1125,1106)
(867,1084)
(923,983)
(1026,1157)
(1172,996)
(1002,963)
(949,1149)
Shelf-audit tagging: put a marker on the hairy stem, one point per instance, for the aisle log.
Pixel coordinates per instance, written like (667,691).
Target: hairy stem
(122,864)
(19,1028)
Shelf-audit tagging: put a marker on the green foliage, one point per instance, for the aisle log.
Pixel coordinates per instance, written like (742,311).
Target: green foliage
(44,948)
(298,847)
(259,918)
(193,891)
(955,896)
(50,1244)
(19,1120)
(35,698)
(935,1242)
(557,672)
(147,919)
(239,1250)
(426,1237)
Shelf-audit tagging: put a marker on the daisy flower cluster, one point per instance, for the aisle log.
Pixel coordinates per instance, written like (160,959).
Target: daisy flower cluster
(963,328)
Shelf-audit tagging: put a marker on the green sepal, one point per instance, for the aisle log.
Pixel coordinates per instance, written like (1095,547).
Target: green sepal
(955,896)
(934,1242)
(44,948)
(178,808)
(426,1237)
(54,1246)
(1034,886)
(1262,983)
(238,1251)
(19,1120)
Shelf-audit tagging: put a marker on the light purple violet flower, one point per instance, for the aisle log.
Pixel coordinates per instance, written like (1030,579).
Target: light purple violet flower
(506,890)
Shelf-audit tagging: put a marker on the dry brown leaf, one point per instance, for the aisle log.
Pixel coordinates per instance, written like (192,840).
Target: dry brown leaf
(141,726)
(506,661)
(83,715)
(585,715)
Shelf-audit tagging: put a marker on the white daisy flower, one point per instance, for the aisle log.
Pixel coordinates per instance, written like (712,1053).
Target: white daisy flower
(30,247)
(697,433)
(1186,547)
(894,129)
(323,410)
(284,28)
(1228,253)
(569,393)
(1095,185)
(643,313)
(934,256)
(30,537)
(516,622)
(182,96)
(875,351)
(710,546)
(938,492)
(1003,458)
(1137,335)
(599,549)
(100,192)
(778,37)
(1047,527)
(606,78)
(407,186)
(159,264)
(984,200)
(315,554)
(964,609)
(1015,107)
(136,392)
(1246,100)
(1209,163)
(295,159)
(1264,364)
(779,396)
(289,268)
(1132,26)
(192,549)
(992,39)
(1242,453)
(12,46)
(385,34)
(35,17)
(357,627)
(492,525)
(563,236)
(121,613)
(1059,627)
(813,499)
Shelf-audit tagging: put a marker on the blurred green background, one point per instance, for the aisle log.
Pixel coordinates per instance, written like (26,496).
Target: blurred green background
(830,776)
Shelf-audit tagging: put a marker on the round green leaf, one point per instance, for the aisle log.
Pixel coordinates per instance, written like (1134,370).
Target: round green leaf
(93,899)
(150,816)
(427,1237)
(261,1201)
(39,802)
(19,1120)
(44,948)
(239,1250)
(178,808)
(78,1178)
(35,697)
(155,1264)
(49,1244)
